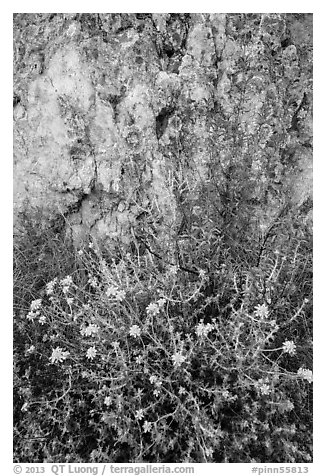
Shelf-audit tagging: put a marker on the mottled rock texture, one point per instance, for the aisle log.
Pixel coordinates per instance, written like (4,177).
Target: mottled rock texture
(178,117)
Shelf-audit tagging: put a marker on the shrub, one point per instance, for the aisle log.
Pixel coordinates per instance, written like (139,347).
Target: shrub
(122,356)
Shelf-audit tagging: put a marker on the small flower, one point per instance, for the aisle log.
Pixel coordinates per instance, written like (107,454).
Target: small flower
(139,393)
(261,310)
(67,281)
(90,330)
(107,401)
(289,347)
(306,374)
(139,360)
(42,320)
(156,392)
(90,245)
(80,252)
(35,305)
(139,414)
(226,394)
(152,309)
(173,270)
(70,301)
(91,353)
(182,391)
(161,302)
(265,389)
(32,315)
(30,350)
(58,355)
(120,295)
(209,452)
(289,406)
(147,426)
(134,331)
(286,406)
(200,328)
(263,386)
(178,359)
(92,281)
(202,273)
(115,344)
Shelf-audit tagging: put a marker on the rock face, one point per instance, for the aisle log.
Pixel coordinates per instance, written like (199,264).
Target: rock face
(123,116)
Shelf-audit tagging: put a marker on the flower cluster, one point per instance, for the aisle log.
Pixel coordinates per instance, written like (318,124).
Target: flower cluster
(34,309)
(66,283)
(305,374)
(115,293)
(157,382)
(202,330)
(49,288)
(147,427)
(36,305)
(107,401)
(154,308)
(90,330)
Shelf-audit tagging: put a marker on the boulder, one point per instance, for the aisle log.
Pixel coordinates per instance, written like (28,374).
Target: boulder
(119,118)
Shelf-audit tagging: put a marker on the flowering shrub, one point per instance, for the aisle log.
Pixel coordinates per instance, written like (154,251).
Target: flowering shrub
(149,366)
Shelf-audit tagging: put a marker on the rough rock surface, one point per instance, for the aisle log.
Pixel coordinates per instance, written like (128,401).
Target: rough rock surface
(123,116)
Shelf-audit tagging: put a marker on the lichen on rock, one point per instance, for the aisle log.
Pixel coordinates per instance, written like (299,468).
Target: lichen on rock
(149,110)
